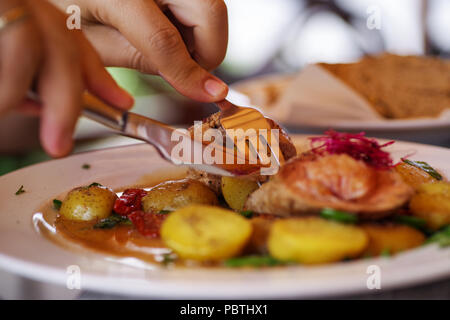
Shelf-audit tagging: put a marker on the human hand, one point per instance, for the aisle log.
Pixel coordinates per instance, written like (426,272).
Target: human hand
(39,50)
(177,39)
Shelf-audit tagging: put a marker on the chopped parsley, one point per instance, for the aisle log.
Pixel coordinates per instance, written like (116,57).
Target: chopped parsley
(411,221)
(385,253)
(168,258)
(252,261)
(247,214)
(441,237)
(165,211)
(20,191)
(57,204)
(95,184)
(112,221)
(339,216)
(425,167)
(86,166)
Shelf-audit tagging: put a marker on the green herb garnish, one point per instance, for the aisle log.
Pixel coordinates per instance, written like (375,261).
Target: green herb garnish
(57,204)
(112,221)
(411,221)
(339,216)
(95,184)
(165,211)
(86,166)
(385,253)
(367,256)
(252,261)
(168,258)
(20,191)
(441,237)
(248,214)
(425,167)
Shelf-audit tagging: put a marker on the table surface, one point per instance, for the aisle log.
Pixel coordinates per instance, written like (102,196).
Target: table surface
(432,291)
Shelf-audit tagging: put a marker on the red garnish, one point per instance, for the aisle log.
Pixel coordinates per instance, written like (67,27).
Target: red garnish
(148,224)
(355,145)
(129,201)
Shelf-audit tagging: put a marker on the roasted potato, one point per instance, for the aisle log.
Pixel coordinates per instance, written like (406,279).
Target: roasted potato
(432,203)
(205,233)
(172,195)
(412,175)
(236,191)
(313,240)
(391,238)
(88,203)
(260,235)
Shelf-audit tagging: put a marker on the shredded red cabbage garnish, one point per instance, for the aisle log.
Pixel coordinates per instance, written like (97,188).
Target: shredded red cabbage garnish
(355,145)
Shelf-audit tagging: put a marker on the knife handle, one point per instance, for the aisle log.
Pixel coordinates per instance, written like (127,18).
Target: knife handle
(97,110)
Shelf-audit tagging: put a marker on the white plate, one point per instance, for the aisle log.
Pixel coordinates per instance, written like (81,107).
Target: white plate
(25,252)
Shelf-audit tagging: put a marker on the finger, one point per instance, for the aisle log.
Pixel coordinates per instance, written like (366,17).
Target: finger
(97,80)
(159,47)
(60,82)
(209,20)
(30,108)
(20,53)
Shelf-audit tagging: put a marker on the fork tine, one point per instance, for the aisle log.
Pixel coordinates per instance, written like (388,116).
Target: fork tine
(244,118)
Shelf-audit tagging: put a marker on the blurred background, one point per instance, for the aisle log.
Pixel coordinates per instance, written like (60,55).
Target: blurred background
(265,37)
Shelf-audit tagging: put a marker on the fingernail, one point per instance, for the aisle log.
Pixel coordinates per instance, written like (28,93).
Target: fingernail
(215,87)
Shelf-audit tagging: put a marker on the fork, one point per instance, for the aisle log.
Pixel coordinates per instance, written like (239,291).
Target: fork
(233,117)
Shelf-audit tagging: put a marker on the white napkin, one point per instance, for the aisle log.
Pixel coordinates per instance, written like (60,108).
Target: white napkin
(315,96)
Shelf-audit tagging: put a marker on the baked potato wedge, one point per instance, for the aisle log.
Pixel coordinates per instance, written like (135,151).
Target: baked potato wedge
(313,240)
(412,175)
(205,233)
(88,203)
(235,191)
(391,238)
(432,203)
(172,195)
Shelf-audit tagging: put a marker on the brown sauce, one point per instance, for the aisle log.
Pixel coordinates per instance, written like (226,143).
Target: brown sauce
(119,241)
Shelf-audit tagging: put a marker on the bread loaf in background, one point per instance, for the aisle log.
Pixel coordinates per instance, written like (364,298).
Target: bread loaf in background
(399,87)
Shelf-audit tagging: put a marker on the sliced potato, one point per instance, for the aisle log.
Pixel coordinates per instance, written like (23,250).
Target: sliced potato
(172,195)
(314,240)
(205,233)
(236,191)
(391,238)
(432,203)
(88,203)
(412,175)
